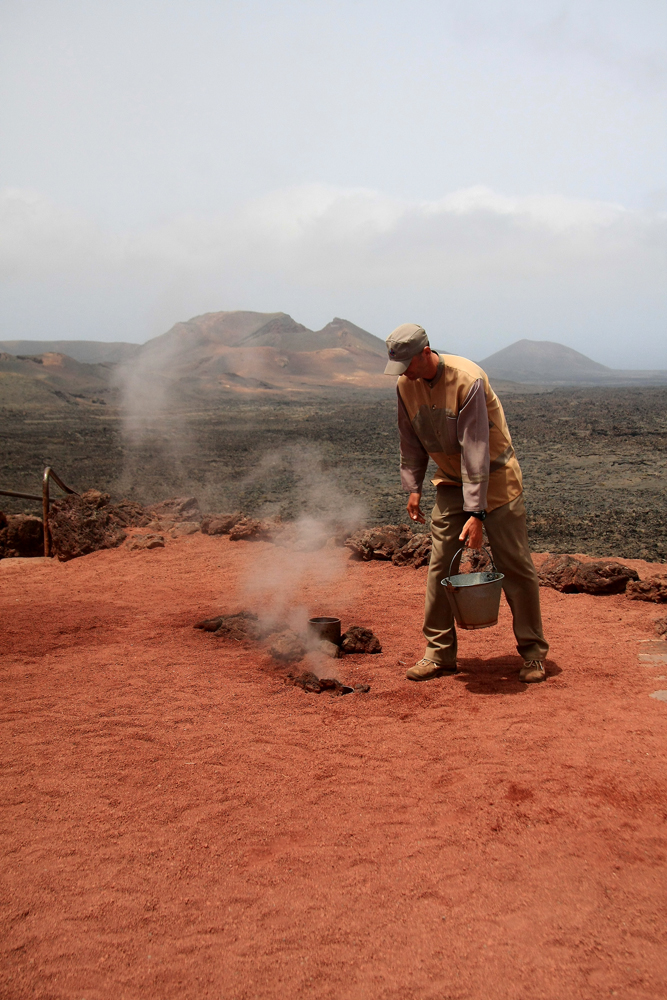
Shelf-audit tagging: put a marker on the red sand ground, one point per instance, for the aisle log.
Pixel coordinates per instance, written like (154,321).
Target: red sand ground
(178,823)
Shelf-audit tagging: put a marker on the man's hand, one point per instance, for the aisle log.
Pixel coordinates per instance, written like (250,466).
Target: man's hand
(414,510)
(471,534)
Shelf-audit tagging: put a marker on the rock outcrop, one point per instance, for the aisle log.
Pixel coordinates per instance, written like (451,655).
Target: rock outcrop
(416,552)
(395,542)
(654,588)
(176,509)
(378,543)
(251,530)
(86,523)
(21,535)
(572,576)
(219,524)
(147,541)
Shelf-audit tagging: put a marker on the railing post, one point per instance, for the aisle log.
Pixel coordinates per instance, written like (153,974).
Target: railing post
(45,510)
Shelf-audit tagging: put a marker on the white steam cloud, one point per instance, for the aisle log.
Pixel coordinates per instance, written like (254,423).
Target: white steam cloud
(287,584)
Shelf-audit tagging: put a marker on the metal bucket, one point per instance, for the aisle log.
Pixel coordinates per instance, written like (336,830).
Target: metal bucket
(474,597)
(326,628)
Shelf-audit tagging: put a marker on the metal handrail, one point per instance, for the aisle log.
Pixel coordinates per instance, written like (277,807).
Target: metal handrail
(49,475)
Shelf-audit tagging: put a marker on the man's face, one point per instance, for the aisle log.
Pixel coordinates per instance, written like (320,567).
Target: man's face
(421,366)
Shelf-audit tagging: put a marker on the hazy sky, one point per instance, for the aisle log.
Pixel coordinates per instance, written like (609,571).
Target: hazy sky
(493,170)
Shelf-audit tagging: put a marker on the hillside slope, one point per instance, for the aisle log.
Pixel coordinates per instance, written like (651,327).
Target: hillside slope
(87,351)
(250,351)
(543,362)
(52,378)
(540,360)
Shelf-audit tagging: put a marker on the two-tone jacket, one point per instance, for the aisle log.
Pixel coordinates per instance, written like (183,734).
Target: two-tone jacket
(457,420)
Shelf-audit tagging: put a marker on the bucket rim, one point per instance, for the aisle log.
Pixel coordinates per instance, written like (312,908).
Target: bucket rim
(496,577)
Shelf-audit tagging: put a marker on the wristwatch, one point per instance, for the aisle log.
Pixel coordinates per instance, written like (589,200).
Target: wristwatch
(479,514)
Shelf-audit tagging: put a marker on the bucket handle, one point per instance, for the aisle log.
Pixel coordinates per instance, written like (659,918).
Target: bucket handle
(484,548)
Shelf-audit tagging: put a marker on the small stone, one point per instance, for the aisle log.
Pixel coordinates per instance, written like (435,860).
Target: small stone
(219,524)
(654,589)
(249,529)
(149,541)
(661,626)
(362,688)
(329,683)
(307,681)
(360,640)
(155,542)
(184,528)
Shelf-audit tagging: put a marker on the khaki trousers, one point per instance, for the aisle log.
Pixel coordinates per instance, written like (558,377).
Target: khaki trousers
(508,535)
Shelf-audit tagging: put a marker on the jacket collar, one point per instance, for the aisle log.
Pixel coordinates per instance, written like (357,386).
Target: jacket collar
(431,383)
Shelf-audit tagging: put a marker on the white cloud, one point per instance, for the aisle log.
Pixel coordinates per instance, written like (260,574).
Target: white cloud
(518,257)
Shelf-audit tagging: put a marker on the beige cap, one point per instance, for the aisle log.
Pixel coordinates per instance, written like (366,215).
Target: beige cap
(403,344)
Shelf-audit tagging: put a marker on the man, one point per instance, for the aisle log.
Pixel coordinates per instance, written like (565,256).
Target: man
(448,411)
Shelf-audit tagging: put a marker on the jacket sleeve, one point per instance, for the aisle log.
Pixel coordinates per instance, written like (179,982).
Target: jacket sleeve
(414,457)
(473,434)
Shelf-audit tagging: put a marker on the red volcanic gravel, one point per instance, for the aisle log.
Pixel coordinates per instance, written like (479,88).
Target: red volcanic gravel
(179,823)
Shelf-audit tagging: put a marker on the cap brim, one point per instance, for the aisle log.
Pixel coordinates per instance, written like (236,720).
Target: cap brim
(397,367)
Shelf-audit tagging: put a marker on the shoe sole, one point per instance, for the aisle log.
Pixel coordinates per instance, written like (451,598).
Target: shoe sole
(440,672)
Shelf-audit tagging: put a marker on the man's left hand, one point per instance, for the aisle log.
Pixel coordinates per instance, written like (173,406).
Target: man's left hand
(472,533)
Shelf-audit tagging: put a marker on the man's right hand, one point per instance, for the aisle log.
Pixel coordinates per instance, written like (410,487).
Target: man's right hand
(414,510)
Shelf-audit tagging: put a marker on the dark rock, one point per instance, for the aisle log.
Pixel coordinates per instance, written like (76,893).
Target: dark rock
(416,552)
(306,680)
(242,625)
(328,683)
(131,514)
(572,576)
(251,530)
(149,541)
(360,640)
(287,646)
(219,524)
(21,535)
(661,626)
(83,524)
(379,543)
(184,528)
(311,682)
(654,588)
(176,509)
(209,624)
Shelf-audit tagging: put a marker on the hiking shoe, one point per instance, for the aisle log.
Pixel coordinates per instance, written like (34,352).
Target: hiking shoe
(532,672)
(425,669)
